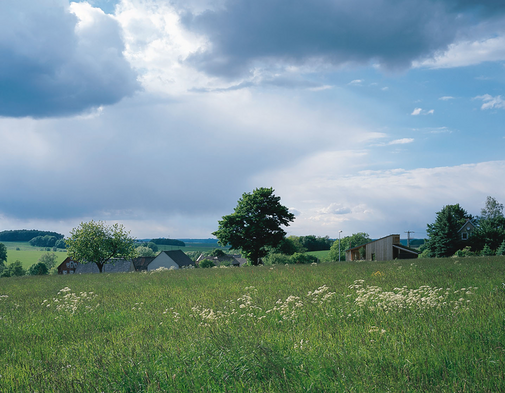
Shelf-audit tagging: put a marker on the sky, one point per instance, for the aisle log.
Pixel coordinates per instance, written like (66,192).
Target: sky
(363,115)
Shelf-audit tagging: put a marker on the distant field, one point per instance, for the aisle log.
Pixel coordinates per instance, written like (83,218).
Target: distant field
(427,325)
(27,254)
(321,255)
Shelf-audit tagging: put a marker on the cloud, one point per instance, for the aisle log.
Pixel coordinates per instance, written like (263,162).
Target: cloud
(381,202)
(356,82)
(446,98)
(246,35)
(491,102)
(402,141)
(420,111)
(59,60)
(466,53)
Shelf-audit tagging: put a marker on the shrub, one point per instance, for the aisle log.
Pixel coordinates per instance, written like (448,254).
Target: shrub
(465,252)
(38,269)
(276,259)
(303,258)
(486,251)
(501,249)
(13,269)
(206,263)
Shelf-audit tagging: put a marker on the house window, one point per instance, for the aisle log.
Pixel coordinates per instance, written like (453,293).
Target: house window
(464,236)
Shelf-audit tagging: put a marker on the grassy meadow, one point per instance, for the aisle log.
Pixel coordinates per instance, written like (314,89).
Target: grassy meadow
(427,325)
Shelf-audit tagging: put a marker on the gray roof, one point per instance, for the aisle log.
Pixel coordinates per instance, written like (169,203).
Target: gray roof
(114,266)
(141,263)
(179,257)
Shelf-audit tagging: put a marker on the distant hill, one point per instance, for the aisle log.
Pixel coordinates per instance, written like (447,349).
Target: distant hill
(207,241)
(25,235)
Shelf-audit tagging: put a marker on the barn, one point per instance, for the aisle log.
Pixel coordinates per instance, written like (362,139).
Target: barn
(383,249)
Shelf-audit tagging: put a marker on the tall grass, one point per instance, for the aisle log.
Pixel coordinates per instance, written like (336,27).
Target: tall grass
(416,326)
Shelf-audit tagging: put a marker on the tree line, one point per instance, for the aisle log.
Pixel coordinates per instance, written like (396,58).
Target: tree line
(444,235)
(25,235)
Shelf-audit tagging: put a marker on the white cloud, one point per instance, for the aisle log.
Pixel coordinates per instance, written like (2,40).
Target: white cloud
(420,111)
(402,141)
(385,201)
(446,98)
(356,82)
(491,102)
(467,53)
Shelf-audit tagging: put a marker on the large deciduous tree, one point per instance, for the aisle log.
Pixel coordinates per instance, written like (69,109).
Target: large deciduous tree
(255,225)
(491,228)
(96,242)
(443,237)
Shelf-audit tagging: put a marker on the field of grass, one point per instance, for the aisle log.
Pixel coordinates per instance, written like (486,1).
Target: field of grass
(321,255)
(427,325)
(28,255)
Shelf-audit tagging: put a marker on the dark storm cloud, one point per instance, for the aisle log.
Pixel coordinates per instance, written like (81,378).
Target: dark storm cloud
(51,68)
(249,33)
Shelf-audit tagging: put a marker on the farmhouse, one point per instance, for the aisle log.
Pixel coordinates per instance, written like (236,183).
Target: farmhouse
(466,230)
(174,259)
(68,266)
(384,249)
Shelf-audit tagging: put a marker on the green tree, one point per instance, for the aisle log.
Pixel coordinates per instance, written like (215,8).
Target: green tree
(95,242)
(491,226)
(49,259)
(3,254)
(356,239)
(443,237)
(152,246)
(38,269)
(255,225)
(501,249)
(486,251)
(142,251)
(206,263)
(13,269)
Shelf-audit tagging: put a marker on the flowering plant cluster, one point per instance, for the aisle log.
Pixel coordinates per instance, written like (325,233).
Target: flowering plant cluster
(69,302)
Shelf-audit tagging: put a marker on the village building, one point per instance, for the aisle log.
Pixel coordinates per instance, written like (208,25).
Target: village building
(141,263)
(383,249)
(68,266)
(174,259)
(467,230)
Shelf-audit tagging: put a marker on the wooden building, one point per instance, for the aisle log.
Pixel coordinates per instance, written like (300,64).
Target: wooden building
(383,249)
(68,266)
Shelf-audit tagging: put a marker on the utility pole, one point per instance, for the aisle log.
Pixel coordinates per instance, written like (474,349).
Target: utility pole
(408,237)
